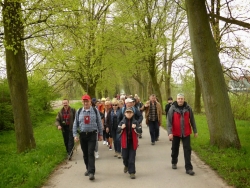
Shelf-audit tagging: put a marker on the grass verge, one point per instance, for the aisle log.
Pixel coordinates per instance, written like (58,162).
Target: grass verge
(231,164)
(31,169)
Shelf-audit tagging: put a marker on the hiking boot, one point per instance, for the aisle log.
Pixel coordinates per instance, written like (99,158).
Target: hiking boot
(157,139)
(96,155)
(86,173)
(153,143)
(125,169)
(174,166)
(116,154)
(140,136)
(119,156)
(190,172)
(91,177)
(132,176)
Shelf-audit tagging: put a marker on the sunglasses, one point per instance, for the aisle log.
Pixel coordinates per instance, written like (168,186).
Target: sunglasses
(114,104)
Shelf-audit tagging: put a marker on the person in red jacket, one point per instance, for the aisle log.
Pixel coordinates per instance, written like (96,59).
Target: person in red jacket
(129,129)
(180,124)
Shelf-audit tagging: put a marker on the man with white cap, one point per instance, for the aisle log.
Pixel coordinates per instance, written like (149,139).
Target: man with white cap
(129,103)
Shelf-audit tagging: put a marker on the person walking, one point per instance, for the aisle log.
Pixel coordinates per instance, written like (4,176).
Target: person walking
(112,124)
(180,123)
(153,114)
(64,122)
(168,105)
(88,121)
(129,128)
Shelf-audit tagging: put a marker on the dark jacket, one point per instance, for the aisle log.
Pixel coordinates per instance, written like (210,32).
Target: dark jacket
(110,118)
(167,107)
(124,132)
(60,121)
(180,120)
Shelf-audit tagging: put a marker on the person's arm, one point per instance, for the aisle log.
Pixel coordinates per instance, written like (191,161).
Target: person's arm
(99,125)
(138,129)
(58,121)
(169,122)
(192,120)
(120,126)
(75,127)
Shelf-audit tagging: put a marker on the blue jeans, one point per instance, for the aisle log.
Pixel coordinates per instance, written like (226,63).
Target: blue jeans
(116,140)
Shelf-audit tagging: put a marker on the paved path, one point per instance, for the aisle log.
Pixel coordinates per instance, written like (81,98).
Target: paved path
(153,169)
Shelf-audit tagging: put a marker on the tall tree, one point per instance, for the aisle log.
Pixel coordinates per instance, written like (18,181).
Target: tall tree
(220,119)
(16,73)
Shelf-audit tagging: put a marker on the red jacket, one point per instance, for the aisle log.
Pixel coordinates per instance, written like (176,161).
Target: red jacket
(181,120)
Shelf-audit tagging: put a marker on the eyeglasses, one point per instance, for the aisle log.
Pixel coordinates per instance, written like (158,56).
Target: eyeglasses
(114,104)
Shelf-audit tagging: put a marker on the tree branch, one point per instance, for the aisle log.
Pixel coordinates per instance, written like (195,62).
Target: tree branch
(231,20)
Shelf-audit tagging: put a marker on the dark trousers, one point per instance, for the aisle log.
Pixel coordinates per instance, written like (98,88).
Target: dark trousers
(153,130)
(117,141)
(88,143)
(128,155)
(68,139)
(186,148)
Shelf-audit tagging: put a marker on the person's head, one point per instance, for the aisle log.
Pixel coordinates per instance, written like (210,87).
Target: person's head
(152,98)
(170,99)
(121,103)
(65,103)
(136,98)
(86,101)
(93,101)
(122,97)
(103,101)
(107,105)
(115,104)
(180,99)
(129,113)
(129,102)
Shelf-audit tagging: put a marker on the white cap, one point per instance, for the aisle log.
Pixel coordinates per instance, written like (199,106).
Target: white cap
(128,100)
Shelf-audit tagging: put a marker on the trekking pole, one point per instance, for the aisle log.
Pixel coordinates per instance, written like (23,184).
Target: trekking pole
(69,157)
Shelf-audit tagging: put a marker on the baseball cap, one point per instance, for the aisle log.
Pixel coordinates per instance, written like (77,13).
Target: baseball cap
(128,100)
(129,110)
(86,97)
(103,99)
(93,100)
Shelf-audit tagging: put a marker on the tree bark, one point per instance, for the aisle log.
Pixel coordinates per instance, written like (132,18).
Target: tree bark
(197,100)
(16,74)
(220,118)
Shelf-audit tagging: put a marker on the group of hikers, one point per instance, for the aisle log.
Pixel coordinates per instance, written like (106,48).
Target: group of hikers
(118,123)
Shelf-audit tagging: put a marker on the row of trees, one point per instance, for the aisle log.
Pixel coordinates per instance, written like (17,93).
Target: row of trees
(102,45)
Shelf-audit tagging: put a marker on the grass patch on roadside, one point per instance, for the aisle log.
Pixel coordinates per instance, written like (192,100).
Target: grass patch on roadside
(231,164)
(31,169)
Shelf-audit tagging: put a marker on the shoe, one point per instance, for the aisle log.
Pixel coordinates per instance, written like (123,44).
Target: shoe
(119,156)
(110,148)
(125,169)
(153,143)
(116,154)
(140,136)
(69,157)
(91,177)
(107,143)
(104,142)
(132,176)
(174,166)
(157,139)
(190,172)
(86,173)
(96,155)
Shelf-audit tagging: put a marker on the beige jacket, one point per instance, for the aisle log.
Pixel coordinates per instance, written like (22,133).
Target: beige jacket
(158,109)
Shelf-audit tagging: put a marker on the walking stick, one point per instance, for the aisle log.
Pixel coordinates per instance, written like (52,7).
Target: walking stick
(70,155)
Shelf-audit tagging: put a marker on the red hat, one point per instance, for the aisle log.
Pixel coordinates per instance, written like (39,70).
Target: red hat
(86,97)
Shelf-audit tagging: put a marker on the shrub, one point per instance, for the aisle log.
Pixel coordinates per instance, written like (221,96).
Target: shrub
(240,105)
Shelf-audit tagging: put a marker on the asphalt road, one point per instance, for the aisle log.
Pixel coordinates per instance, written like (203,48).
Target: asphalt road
(153,169)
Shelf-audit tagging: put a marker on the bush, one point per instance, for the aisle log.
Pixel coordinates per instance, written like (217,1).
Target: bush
(39,96)
(240,105)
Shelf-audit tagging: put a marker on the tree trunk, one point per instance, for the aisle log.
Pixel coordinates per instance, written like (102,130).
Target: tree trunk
(197,100)
(16,74)
(220,119)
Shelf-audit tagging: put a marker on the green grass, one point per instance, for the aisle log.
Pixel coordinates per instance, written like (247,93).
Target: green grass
(231,164)
(31,169)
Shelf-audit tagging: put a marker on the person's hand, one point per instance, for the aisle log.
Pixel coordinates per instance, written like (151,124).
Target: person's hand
(107,130)
(170,136)
(100,138)
(195,135)
(76,139)
(133,126)
(123,126)
(59,127)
